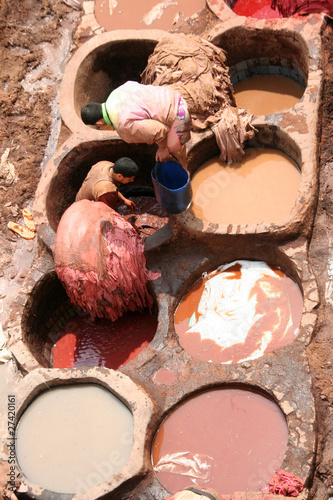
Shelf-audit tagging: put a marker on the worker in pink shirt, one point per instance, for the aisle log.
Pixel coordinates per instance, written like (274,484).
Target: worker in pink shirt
(145,114)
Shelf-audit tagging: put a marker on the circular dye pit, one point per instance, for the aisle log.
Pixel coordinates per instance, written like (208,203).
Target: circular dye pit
(152,14)
(148,216)
(262,95)
(86,343)
(262,187)
(239,312)
(259,9)
(72,438)
(227,439)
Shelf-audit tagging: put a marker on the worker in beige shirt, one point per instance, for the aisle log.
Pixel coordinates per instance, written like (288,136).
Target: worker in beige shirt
(104,180)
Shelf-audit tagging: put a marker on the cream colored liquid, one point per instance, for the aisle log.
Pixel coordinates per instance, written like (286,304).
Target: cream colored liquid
(261,188)
(72,438)
(146,14)
(263,95)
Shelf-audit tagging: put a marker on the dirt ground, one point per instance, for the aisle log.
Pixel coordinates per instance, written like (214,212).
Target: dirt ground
(37,37)
(320,351)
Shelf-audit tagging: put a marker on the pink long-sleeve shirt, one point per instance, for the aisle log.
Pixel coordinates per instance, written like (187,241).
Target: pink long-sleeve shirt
(142,113)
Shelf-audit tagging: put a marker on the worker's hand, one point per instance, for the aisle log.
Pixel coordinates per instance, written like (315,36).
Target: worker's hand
(162,154)
(130,204)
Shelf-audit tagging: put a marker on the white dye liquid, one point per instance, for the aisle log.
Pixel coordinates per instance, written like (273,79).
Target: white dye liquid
(73,438)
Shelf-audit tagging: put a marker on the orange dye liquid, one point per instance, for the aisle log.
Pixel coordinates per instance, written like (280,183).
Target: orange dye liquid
(226,439)
(249,312)
(262,187)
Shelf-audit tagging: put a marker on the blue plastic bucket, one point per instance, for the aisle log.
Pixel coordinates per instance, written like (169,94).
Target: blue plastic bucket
(172,186)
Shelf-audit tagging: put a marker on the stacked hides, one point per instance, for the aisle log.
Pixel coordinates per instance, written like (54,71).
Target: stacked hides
(99,259)
(196,69)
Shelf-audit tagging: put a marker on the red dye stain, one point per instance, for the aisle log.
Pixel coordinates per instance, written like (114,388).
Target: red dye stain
(83,342)
(259,9)
(164,376)
(227,439)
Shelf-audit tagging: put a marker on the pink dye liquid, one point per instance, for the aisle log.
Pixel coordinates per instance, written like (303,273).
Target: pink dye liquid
(227,439)
(83,342)
(276,318)
(146,14)
(259,9)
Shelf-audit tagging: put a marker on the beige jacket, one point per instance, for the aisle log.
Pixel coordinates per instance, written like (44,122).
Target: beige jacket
(98,182)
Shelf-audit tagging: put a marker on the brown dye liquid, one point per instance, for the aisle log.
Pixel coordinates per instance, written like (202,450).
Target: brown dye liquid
(263,95)
(262,187)
(226,439)
(73,438)
(277,311)
(146,14)
(148,216)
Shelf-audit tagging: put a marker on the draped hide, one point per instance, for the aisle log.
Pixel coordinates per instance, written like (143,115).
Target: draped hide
(197,69)
(99,259)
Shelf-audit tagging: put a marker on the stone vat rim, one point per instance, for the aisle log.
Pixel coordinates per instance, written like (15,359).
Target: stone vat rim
(123,387)
(66,95)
